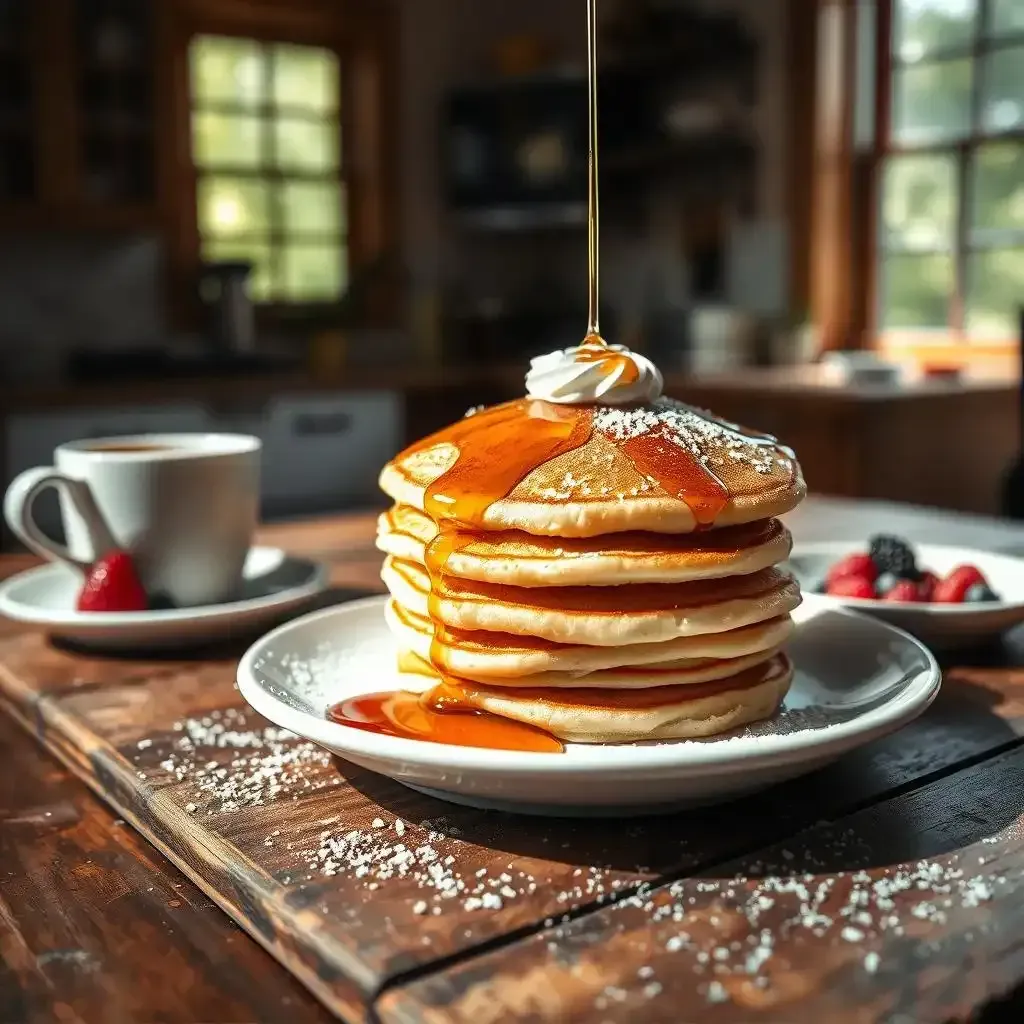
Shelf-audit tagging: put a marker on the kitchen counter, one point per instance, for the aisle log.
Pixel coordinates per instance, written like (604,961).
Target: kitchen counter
(928,442)
(805,382)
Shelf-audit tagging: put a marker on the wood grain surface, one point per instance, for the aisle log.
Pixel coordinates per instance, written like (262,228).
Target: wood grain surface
(340,874)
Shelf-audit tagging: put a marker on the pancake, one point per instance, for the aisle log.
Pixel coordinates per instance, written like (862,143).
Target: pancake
(501,659)
(684,672)
(583,471)
(595,616)
(664,713)
(519,559)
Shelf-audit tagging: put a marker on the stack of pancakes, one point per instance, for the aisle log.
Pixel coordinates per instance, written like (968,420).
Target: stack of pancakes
(595,600)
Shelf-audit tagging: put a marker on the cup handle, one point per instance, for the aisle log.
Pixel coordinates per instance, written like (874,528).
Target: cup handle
(20,498)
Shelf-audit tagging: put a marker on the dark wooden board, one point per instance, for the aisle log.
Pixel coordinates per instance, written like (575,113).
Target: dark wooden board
(354,935)
(95,925)
(910,910)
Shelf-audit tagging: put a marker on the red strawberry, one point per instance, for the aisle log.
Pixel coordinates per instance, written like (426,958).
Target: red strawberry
(954,587)
(926,586)
(903,591)
(859,565)
(113,586)
(851,586)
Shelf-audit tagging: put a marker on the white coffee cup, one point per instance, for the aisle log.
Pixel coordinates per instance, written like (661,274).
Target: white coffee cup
(184,506)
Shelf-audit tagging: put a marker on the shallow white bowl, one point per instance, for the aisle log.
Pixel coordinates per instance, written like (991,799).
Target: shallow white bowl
(856,679)
(941,626)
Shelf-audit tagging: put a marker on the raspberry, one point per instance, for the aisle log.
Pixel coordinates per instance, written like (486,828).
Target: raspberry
(891,554)
(851,586)
(953,589)
(112,586)
(926,586)
(854,565)
(904,591)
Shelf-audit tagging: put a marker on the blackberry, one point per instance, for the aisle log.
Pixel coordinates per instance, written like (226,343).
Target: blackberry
(885,582)
(893,555)
(979,594)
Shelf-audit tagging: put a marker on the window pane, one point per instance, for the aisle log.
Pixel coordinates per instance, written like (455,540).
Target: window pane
(916,291)
(919,202)
(257,253)
(1002,90)
(232,206)
(314,273)
(306,145)
(926,26)
(312,208)
(225,140)
(995,293)
(997,193)
(225,69)
(305,76)
(931,101)
(1007,17)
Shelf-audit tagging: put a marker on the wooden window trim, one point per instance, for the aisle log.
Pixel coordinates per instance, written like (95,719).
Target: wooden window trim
(845,237)
(365,35)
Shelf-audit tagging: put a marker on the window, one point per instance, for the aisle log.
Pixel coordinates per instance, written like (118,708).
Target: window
(950,170)
(266,145)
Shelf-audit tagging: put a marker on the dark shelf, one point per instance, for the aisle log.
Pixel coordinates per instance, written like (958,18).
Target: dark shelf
(107,127)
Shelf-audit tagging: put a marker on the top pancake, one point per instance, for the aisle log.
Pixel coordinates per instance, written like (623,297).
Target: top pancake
(656,468)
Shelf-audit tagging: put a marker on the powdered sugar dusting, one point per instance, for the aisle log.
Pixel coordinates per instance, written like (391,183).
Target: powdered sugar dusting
(420,855)
(694,430)
(727,931)
(235,764)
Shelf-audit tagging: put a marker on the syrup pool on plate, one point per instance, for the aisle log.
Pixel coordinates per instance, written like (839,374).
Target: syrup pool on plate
(439,717)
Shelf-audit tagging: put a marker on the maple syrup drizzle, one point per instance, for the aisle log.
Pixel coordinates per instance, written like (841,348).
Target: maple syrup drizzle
(679,473)
(498,449)
(593,195)
(612,363)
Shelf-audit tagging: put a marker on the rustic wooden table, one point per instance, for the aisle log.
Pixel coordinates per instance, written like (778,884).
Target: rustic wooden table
(888,887)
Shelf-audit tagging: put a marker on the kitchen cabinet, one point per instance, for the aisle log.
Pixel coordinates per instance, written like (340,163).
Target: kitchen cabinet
(18,97)
(79,124)
(320,452)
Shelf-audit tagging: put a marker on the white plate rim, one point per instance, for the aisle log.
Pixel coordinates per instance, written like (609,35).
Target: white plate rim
(19,611)
(967,555)
(624,759)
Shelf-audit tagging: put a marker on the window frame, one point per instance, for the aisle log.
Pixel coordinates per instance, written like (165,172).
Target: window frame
(952,344)
(364,36)
(269,172)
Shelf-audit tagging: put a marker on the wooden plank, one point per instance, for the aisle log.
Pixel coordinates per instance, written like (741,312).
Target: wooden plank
(907,911)
(96,925)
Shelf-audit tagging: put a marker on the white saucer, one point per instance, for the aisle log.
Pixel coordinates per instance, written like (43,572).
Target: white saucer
(274,584)
(856,679)
(941,626)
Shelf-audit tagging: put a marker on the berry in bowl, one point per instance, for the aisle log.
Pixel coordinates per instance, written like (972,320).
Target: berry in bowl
(946,596)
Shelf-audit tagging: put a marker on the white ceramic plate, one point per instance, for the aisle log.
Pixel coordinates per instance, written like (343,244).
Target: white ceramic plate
(856,678)
(941,626)
(275,583)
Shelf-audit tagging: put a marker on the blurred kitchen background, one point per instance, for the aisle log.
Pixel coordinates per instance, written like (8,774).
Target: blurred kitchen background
(339,223)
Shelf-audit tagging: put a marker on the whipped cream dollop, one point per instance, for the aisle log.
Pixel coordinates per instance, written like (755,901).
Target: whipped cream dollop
(594,374)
